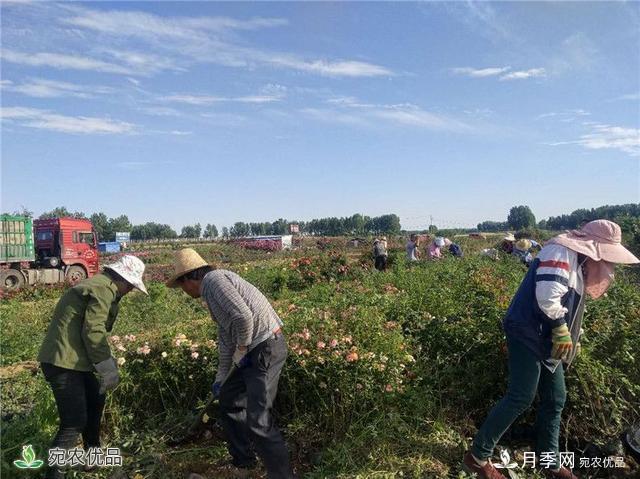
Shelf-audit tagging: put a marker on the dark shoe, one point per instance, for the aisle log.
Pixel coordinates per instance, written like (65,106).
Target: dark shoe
(562,473)
(487,471)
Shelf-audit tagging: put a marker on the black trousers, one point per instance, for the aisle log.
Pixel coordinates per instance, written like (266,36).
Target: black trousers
(246,402)
(80,406)
(381,263)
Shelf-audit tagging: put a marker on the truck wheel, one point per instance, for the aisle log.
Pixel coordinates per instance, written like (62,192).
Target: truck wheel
(75,274)
(11,279)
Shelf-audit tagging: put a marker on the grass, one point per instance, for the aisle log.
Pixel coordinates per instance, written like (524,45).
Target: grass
(418,361)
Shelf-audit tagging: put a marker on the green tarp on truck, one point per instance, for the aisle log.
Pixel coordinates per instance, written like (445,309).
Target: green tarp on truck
(16,239)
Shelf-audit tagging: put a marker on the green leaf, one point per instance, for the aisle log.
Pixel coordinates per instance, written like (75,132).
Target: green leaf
(27,454)
(36,464)
(21,464)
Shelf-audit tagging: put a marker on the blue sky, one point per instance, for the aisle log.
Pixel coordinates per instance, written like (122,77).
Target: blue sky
(181,112)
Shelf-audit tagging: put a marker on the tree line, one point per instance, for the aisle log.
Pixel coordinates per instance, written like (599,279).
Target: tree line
(521,217)
(106,227)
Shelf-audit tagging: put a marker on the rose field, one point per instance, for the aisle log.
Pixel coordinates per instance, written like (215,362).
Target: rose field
(388,375)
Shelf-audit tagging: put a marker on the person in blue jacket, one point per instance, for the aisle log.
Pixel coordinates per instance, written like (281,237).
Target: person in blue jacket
(542,326)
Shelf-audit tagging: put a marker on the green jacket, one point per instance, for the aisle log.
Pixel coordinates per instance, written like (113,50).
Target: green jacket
(77,335)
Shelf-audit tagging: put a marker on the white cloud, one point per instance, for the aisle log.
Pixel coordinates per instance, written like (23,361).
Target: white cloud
(480,72)
(524,74)
(43,88)
(613,137)
(576,52)
(269,93)
(504,73)
(63,61)
(191,99)
(140,24)
(144,63)
(349,110)
(609,137)
(207,40)
(160,111)
(328,68)
(627,97)
(478,15)
(566,116)
(43,119)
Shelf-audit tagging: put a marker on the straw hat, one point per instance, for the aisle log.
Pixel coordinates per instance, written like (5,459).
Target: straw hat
(185,261)
(523,244)
(509,237)
(131,270)
(598,240)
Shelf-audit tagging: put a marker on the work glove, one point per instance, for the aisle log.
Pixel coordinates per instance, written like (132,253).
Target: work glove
(108,374)
(215,389)
(240,358)
(561,340)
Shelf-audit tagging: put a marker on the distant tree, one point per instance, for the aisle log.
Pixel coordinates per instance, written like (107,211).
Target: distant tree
(152,231)
(389,224)
(210,231)
(521,217)
(280,227)
(23,212)
(119,224)
(357,224)
(62,212)
(101,225)
(225,232)
(578,217)
(433,229)
(493,226)
(240,229)
(191,231)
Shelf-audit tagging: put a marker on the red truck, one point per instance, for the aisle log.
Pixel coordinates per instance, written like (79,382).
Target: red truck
(46,251)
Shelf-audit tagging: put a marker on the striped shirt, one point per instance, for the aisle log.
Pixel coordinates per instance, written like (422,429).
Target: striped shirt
(557,272)
(243,314)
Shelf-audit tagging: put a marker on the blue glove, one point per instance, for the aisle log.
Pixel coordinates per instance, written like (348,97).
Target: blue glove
(244,362)
(215,389)
(241,358)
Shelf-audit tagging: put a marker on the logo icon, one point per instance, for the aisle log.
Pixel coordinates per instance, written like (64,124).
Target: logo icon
(28,460)
(506,461)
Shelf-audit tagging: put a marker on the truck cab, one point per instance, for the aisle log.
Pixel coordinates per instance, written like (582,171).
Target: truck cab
(69,244)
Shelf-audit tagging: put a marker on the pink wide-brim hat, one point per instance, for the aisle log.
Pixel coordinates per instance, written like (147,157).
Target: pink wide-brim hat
(599,240)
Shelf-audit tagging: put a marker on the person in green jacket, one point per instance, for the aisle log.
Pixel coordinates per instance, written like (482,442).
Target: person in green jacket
(75,350)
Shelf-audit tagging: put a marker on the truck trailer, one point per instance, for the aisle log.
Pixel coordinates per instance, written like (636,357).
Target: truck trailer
(46,251)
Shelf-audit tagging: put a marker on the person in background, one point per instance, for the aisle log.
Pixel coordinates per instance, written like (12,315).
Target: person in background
(412,249)
(507,243)
(380,254)
(522,251)
(456,250)
(543,326)
(252,352)
(384,242)
(75,349)
(434,249)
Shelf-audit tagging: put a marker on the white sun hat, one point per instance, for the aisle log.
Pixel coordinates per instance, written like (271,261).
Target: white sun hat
(131,269)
